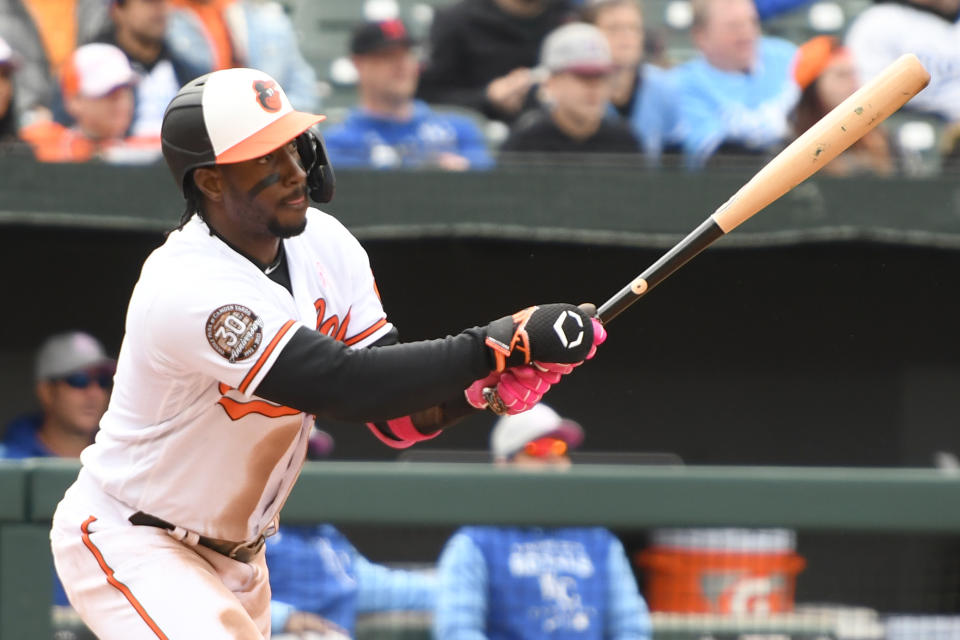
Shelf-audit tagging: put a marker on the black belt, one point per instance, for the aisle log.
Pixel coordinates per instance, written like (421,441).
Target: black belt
(242,551)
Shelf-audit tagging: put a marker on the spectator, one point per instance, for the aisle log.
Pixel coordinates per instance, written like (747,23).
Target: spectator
(826,76)
(928,28)
(736,96)
(482,53)
(218,34)
(577,92)
(643,93)
(533,582)
(73,377)
(44,34)
(138,28)
(390,128)
(8,114)
(98,94)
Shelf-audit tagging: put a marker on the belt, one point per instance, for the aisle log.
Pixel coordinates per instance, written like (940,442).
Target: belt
(242,551)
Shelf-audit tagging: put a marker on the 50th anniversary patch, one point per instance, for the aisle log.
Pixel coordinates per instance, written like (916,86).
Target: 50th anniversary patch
(234,331)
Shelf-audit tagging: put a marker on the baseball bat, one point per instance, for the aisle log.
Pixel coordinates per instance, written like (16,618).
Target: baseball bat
(829,137)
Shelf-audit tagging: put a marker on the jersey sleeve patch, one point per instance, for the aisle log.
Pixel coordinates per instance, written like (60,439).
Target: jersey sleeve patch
(234,332)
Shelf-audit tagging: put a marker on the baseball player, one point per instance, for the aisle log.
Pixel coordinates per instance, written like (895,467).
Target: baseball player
(255,315)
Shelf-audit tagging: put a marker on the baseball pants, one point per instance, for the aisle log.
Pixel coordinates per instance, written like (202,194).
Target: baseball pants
(138,583)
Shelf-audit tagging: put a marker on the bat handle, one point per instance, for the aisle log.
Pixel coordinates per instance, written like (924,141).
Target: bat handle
(494,401)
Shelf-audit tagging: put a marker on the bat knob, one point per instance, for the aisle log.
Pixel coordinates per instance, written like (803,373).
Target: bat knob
(494,402)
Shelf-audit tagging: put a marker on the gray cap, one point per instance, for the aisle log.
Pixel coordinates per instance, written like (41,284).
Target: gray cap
(66,353)
(577,47)
(511,433)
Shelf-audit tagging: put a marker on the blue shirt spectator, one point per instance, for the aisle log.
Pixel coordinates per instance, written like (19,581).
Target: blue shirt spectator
(518,583)
(367,139)
(505,583)
(655,112)
(389,128)
(73,379)
(738,94)
(316,569)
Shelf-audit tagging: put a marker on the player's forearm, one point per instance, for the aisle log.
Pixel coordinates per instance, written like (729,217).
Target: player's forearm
(318,375)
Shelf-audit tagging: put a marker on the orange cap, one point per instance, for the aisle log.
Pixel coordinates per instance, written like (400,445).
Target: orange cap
(812,58)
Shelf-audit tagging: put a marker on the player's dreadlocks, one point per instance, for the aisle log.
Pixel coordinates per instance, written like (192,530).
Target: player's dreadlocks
(194,203)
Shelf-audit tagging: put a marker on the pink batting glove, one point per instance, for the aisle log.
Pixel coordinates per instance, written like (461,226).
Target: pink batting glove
(522,387)
(599,336)
(474,393)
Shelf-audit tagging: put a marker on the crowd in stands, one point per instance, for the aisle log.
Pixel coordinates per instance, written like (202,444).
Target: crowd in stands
(90,79)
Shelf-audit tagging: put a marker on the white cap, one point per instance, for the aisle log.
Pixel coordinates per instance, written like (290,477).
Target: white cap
(577,47)
(248,128)
(96,69)
(511,433)
(66,353)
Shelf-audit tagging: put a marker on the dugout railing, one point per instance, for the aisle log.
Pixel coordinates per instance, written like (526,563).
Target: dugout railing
(842,506)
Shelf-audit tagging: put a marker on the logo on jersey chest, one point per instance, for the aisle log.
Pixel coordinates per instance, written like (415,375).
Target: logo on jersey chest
(332,326)
(234,331)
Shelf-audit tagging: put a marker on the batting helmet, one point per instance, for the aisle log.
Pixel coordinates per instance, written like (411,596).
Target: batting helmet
(235,115)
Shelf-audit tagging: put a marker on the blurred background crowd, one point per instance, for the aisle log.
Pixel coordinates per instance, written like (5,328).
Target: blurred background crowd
(467,84)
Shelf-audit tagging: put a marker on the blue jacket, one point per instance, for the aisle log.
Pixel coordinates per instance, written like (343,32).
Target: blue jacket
(315,568)
(20,438)
(655,118)
(501,583)
(367,140)
(20,441)
(747,109)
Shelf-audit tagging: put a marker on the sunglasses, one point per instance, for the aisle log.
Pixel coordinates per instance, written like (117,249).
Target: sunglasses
(84,379)
(543,447)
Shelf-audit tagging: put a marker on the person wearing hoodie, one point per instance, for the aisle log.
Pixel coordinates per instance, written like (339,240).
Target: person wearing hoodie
(389,128)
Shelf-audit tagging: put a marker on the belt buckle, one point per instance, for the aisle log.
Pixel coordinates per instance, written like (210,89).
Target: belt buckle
(252,547)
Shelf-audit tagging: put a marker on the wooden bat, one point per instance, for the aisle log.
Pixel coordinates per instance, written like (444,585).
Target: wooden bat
(829,137)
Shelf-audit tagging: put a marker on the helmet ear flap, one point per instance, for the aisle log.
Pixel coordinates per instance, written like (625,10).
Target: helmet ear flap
(321,181)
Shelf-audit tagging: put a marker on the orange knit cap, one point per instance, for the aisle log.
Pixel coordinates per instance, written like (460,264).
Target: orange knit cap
(812,58)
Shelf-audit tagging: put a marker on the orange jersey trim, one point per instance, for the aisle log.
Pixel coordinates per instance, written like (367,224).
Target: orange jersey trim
(255,369)
(112,580)
(366,332)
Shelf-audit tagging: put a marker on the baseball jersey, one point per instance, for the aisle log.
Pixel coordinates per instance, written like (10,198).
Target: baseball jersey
(185,437)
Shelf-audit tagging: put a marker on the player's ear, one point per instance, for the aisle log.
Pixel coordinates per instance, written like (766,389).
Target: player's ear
(208,180)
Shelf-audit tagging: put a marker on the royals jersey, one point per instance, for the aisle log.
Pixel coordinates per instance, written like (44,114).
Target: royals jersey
(186,438)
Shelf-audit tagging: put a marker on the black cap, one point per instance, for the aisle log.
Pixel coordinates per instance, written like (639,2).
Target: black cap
(374,36)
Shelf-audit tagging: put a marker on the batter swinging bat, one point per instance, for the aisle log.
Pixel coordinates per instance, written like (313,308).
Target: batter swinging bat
(821,143)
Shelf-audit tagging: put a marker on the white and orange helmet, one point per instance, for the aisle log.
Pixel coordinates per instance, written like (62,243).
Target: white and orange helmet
(235,115)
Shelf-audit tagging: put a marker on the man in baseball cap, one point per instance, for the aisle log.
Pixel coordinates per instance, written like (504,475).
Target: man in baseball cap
(578,65)
(97,84)
(73,375)
(389,128)
(537,436)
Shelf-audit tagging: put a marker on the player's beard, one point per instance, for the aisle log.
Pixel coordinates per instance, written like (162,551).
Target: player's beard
(281,230)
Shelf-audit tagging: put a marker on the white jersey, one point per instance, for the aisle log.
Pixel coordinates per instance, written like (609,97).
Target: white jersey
(884,32)
(185,437)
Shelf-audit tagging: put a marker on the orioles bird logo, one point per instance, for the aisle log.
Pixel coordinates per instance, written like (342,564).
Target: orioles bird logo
(267,95)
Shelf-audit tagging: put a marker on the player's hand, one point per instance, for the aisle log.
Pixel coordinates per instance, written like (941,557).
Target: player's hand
(558,333)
